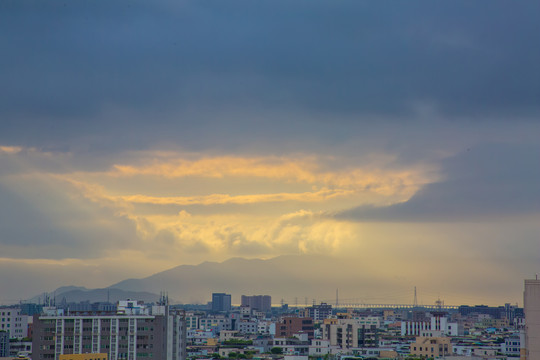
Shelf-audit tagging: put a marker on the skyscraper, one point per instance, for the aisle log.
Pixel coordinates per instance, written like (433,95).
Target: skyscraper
(531,302)
(221,302)
(258,302)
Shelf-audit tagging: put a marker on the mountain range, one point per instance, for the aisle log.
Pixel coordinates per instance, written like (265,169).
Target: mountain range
(288,278)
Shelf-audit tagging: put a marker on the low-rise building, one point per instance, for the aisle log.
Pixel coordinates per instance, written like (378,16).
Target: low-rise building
(350,333)
(289,326)
(216,323)
(431,347)
(247,327)
(321,347)
(511,345)
(4,344)
(292,346)
(20,348)
(437,325)
(319,312)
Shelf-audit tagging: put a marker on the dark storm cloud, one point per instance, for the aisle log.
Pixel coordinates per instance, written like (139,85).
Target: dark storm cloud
(172,69)
(41,221)
(487,182)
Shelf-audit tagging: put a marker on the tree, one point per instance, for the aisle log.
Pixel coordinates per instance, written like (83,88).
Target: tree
(276,350)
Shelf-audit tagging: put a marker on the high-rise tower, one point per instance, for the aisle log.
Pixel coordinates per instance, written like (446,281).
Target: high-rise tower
(531,304)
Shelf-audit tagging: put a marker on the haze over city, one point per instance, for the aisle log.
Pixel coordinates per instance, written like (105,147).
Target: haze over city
(400,139)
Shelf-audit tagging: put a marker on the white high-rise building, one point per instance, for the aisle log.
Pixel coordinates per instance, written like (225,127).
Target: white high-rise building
(531,304)
(12,321)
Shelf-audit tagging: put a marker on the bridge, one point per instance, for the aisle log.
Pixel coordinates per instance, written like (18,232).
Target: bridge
(386,306)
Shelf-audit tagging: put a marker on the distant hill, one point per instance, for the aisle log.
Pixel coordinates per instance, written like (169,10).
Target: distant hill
(292,278)
(302,275)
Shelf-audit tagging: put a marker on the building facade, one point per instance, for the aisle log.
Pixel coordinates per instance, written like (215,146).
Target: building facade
(258,302)
(531,301)
(156,333)
(511,346)
(289,326)
(349,333)
(320,312)
(14,322)
(431,347)
(436,326)
(4,344)
(221,302)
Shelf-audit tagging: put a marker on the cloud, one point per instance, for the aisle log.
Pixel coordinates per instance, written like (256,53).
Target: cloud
(42,218)
(385,177)
(80,75)
(10,149)
(221,199)
(96,212)
(179,131)
(489,181)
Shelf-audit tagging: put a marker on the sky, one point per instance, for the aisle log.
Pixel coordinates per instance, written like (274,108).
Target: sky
(137,136)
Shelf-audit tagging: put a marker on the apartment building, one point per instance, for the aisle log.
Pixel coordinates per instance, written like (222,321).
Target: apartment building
(320,312)
(321,347)
(14,322)
(288,326)
(137,333)
(431,347)
(221,302)
(258,302)
(350,333)
(437,325)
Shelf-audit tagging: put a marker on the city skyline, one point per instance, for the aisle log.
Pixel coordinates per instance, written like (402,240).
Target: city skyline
(401,139)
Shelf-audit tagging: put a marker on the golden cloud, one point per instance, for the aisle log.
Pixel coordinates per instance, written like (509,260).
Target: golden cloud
(313,186)
(10,149)
(221,199)
(219,167)
(301,170)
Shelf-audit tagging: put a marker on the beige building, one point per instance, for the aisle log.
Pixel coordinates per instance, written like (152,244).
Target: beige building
(431,347)
(531,302)
(388,354)
(84,357)
(351,333)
